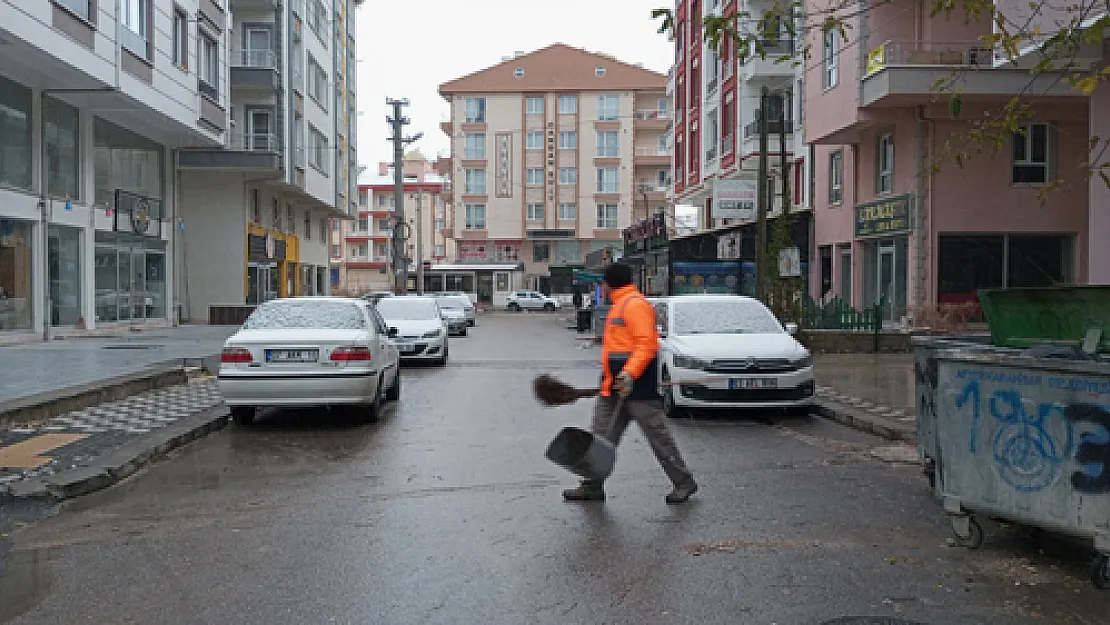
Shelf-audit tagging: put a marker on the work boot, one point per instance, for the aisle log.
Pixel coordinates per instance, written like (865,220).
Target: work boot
(681,493)
(585,492)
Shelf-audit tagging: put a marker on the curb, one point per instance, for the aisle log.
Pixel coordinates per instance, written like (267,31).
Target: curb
(883,427)
(119,463)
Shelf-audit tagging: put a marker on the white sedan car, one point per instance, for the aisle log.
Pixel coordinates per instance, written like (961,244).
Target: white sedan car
(422,330)
(310,351)
(734,353)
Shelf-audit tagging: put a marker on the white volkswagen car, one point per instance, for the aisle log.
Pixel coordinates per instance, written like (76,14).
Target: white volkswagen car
(422,330)
(531,300)
(310,351)
(734,353)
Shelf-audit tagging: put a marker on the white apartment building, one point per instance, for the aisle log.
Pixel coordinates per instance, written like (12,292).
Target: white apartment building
(97,97)
(717,100)
(553,154)
(256,209)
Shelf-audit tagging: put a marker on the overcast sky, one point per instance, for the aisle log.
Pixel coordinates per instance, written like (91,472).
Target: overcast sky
(407,49)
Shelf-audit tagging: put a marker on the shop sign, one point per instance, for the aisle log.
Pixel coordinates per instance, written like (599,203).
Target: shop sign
(645,234)
(734,199)
(884,217)
(503,142)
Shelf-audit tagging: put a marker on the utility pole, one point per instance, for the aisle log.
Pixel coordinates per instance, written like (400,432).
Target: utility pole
(398,122)
(761,203)
(420,242)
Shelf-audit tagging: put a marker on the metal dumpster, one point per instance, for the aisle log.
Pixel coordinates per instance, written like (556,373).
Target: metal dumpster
(1022,438)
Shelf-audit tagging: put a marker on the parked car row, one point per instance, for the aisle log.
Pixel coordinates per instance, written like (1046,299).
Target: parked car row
(335,351)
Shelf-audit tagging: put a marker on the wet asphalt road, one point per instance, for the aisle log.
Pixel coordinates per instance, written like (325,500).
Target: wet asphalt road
(447,512)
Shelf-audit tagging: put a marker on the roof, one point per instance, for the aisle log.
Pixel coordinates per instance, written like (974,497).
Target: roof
(557,67)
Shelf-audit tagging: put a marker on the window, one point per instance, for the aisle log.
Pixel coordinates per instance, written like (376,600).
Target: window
(383,225)
(80,7)
(385,201)
(125,160)
(15,134)
(568,175)
(541,251)
(830,58)
(334,223)
(134,15)
(836,177)
(275,214)
(534,140)
(180,38)
(711,137)
(208,65)
(608,144)
(608,107)
(535,212)
(317,82)
(439,224)
(568,140)
(599,71)
(336,252)
(324,229)
(474,181)
(363,224)
(607,216)
(475,216)
(63,156)
(317,19)
(534,105)
(475,110)
(884,160)
(568,212)
(607,180)
(568,104)
(534,177)
(317,150)
(518,72)
(475,145)
(255,206)
(308,224)
(1031,154)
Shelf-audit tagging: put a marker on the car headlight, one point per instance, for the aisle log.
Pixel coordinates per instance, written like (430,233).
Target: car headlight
(433,334)
(689,362)
(803,362)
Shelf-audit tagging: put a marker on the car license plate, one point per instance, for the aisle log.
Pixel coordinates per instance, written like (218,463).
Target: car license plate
(292,355)
(406,348)
(752,383)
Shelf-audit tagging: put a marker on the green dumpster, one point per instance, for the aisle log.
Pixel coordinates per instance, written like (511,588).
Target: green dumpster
(1023,317)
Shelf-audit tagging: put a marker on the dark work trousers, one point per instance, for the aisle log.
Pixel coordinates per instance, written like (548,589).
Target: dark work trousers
(653,422)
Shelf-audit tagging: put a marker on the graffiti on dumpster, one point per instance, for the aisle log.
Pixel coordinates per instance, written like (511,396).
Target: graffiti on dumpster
(1035,442)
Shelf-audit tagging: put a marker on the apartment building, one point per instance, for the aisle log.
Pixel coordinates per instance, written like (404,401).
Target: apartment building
(256,209)
(554,152)
(362,249)
(96,101)
(717,101)
(889,229)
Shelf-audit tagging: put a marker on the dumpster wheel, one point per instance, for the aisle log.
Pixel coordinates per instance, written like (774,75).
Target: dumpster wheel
(1100,571)
(974,537)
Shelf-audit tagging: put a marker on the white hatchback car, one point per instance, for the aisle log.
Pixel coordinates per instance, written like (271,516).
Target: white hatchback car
(735,354)
(422,330)
(309,351)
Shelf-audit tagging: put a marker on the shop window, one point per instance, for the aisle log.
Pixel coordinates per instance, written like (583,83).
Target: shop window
(62,150)
(15,134)
(130,278)
(16,301)
(128,161)
(567,252)
(1032,154)
(65,275)
(1034,260)
(966,264)
(541,251)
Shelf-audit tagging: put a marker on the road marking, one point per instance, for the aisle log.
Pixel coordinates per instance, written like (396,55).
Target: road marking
(28,454)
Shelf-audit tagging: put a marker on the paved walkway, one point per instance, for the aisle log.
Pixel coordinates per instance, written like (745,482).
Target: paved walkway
(881,379)
(31,369)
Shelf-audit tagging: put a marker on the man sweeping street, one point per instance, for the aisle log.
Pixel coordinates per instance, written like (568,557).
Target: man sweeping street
(629,365)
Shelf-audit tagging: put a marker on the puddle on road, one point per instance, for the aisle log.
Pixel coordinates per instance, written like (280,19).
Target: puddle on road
(24,583)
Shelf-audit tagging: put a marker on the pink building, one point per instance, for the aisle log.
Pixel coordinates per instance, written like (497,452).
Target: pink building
(888,225)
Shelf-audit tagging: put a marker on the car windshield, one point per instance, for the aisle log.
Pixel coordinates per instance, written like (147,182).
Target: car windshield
(724,317)
(405,308)
(306,314)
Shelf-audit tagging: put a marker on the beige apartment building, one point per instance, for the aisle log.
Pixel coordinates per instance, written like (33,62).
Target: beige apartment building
(553,154)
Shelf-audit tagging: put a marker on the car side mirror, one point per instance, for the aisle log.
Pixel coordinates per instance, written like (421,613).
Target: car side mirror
(791,327)
(393,332)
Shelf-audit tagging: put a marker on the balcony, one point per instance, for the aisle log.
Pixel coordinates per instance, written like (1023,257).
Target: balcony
(653,191)
(652,156)
(774,129)
(258,152)
(254,70)
(772,59)
(652,118)
(710,154)
(906,73)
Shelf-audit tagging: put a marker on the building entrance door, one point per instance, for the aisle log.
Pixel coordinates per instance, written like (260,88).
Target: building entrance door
(886,267)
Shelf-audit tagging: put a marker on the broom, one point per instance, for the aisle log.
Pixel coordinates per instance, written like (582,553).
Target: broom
(554,392)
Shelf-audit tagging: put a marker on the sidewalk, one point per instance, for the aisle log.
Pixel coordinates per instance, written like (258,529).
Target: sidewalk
(872,392)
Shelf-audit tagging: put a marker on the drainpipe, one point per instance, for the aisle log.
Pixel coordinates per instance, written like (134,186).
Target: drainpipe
(921,204)
(175,301)
(862,48)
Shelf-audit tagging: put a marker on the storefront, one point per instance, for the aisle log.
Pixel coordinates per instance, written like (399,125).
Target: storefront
(16,272)
(64,259)
(272,265)
(484,283)
(130,271)
(969,262)
(882,233)
(646,249)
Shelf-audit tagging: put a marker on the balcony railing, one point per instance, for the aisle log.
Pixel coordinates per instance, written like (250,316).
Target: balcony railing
(653,187)
(726,147)
(711,86)
(256,59)
(774,47)
(711,153)
(774,127)
(254,142)
(653,114)
(928,53)
(653,151)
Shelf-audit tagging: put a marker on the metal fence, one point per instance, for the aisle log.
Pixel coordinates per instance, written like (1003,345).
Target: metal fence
(840,315)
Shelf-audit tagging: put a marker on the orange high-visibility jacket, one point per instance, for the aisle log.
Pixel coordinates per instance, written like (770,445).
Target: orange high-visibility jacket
(630,343)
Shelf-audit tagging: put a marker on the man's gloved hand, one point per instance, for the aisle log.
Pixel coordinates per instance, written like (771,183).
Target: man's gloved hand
(623,384)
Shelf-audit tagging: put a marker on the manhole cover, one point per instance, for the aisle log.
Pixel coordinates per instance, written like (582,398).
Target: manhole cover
(870,620)
(133,346)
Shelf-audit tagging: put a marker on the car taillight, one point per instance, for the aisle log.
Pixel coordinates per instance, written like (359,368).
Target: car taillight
(355,352)
(236,354)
